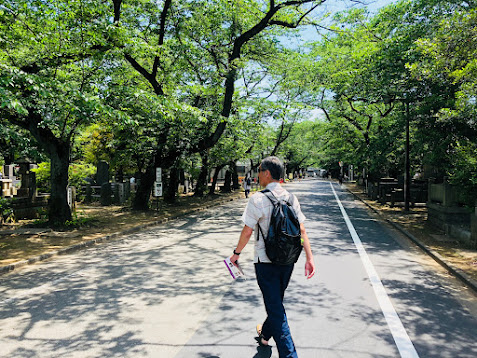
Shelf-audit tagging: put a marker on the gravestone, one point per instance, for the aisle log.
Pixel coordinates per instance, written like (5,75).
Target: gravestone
(9,172)
(119,196)
(106,193)
(127,189)
(102,173)
(88,193)
(28,180)
(473,228)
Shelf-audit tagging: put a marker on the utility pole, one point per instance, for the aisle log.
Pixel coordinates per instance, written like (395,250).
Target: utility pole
(407,169)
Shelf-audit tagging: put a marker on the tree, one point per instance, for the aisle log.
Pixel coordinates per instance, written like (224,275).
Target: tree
(195,51)
(361,75)
(49,65)
(450,55)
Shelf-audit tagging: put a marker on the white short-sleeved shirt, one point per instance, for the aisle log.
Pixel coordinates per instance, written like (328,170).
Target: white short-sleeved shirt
(258,212)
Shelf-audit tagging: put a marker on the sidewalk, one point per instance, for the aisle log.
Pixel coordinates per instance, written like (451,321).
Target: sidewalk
(448,252)
(23,243)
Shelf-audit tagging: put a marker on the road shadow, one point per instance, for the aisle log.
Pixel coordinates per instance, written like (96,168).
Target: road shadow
(98,301)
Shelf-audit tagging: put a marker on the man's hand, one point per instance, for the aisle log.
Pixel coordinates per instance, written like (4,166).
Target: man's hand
(309,269)
(233,259)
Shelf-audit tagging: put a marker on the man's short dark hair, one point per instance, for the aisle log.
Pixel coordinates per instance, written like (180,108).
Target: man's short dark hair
(274,165)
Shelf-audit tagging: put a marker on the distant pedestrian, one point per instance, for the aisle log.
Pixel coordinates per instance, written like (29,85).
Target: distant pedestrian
(247,185)
(272,278)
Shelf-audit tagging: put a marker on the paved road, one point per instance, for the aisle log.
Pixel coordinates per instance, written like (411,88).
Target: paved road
(165,293)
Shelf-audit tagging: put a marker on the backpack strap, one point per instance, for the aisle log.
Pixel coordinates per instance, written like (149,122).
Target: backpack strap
(273,198)
(259,232)
(268,193)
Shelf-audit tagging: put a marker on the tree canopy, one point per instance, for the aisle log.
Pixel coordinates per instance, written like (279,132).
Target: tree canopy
(188,86)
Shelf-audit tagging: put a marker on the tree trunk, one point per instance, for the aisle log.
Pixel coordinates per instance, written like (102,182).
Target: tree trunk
(228,179)
(59,210)
(144,188)
(214,180)
(171,188)
(201,186)
(235,177)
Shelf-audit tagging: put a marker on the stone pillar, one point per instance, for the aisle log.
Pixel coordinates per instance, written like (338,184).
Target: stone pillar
(119,193)
(446,201)
(32,194)
(102,173)
(127,189)
(430,182)
(71,197)
(473,228)
(24,172)
(88,193)
(106,193)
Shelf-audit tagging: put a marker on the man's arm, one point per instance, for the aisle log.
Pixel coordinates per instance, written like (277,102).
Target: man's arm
(243,241)
(310,264)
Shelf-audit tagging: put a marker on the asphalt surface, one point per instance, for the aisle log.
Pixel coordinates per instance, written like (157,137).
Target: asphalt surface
(165,292)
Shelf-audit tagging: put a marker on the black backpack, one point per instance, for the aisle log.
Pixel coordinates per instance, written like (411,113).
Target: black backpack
(283,241)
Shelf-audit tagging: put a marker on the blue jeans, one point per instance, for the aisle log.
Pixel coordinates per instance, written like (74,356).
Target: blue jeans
(273,281)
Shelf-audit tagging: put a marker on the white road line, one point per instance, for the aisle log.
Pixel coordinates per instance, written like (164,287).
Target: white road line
(403,342)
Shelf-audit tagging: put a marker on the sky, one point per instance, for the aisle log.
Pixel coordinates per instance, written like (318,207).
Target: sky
(333,6)
(373,5)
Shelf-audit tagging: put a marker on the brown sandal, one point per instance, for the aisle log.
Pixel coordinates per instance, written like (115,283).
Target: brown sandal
(260,338)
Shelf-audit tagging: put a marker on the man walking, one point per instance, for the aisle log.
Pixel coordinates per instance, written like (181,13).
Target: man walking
(272,279)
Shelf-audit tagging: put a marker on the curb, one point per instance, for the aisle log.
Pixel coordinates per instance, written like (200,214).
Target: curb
(69,249)
(458,273)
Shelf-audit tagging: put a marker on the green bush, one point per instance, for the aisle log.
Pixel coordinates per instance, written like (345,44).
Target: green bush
(43,177)
(6,210)
(77,174)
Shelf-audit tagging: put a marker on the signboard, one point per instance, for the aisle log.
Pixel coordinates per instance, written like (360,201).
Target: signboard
(157,189)
(159,175)
(70,197)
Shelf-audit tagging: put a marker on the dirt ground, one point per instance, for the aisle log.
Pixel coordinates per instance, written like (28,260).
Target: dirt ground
(23,240)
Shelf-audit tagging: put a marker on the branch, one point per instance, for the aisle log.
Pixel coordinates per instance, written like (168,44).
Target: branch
(117,10)
(148,76)
(262,24)
(162,26)
(43,135)
(353,122)
(62,59)
(356,111)
(294,26)
(322,107)
(391,107)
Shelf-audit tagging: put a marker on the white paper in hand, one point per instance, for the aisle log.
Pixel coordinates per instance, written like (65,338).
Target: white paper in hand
(233,270)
